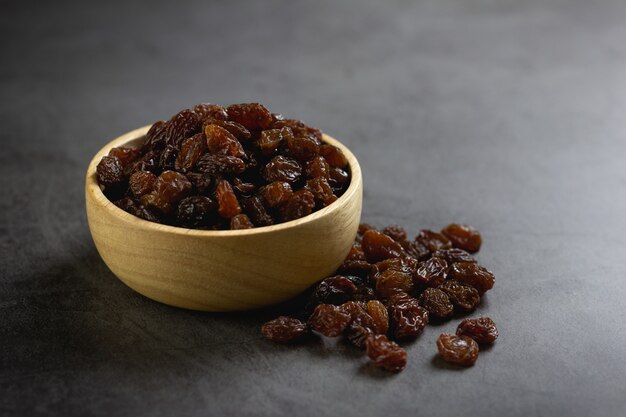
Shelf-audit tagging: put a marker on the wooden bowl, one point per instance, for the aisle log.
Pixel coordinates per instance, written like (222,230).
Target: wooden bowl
(222,270)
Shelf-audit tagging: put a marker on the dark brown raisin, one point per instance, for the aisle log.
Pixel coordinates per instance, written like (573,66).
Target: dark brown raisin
(153,201)
(395,232)
(254,208)
(190,151)
(329,320)
(221,142)
(182,125)
(334,156)
(125,155)
(436,302)
(408,318)
(302,147)
(110,172)
(253,116)
(167,159)
(433,240)
(390,282)
(298,127)
(156,136)
(172,186)
(463,237)
(357,333)
(356,253)
(284,330)
(338,177)
(321,190)
(210,111)
(378,246)
(201,182)
(359,268)
(385,353)
(454,255)
(228,205)
(220,164)
(459,350)
(142,182)
(473,274)
(461,295)
(196,212)
(237,130)
(483,330)
(276,193)
(283,169)
(334,290)
(241,221)
(271,139)
(317,167)
(431,273)
(301,204)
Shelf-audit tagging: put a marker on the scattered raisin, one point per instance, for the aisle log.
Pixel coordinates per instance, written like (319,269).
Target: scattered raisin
(391,281)
(385,354)
(284,330)
(459,350)
(473,274)
(334,290)
(380,316)
(378,246)
(454,255)
(463,237)
(461,295)
(408,318)
(433,240)
(329,320)
(483,330)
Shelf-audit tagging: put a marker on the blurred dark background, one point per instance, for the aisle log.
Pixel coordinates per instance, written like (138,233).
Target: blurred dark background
(507,115)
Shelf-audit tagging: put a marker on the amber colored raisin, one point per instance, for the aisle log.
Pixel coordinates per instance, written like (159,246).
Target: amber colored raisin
(253,116)
(433,240)
(334,156)
(357,333)
(317,167)
(407,317)
(201,182)
(380,316)
(125,155)
(152,200)
(220,164)
(431,273)
(284,330)
(142,182)
(329,320)
(391,281)
(454,255)
(182,125)
(395,232)
(167,159)
(271,139)
(301,204)
(196,212)
(364,227)
(237,130)
(281,168)
(210,111)
(190,151)
(334,290)
(254,208)
(241,221)
(473,274)
(459,350)
(461,295)
(385,353)
(378,246)
(172,186)
(276,193)
(356,253)
(415,249)
(221,142)
(405,264)
(228,205)
(321,190)
(302,147)
(463,237)
(436,302)
(298,127)
(483,330)
(110,172)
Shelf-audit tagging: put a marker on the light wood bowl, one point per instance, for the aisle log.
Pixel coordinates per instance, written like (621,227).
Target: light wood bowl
(222,270)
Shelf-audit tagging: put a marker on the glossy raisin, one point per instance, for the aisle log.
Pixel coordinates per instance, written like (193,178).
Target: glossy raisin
(391,281)
(317,167)
(338,177)
(221,142)
(385,353)
(321,190)
(220,164)
(473,274)
(172,186)
(196,212)
(433,240)
(378,246)
(167,159)
(334,290)
(228,205)
(459,350)
(329,320)
(125,155)
(461,295)
(276,193)
(454,255)
(483,330)
(243,188)
(436,302)
(431,273)
(281,168)
(190,151)
(271,139)
(380,316)
(206,111)
(110,172)
(182,125)
(407,317)
(301,204)
(254,208)
(395,232)
(463,237)
(302,148)
(357,334)
(334,156)
(252,116)
(142,182)
(298,127)
(241,221)
(284,330)
(155,138)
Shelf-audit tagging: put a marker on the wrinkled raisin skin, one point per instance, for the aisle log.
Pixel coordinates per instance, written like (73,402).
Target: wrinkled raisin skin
(463,237)
(483,330)
(436,302)
(385,353)
(472,274)
(329,320)
(458,350)
(284,330)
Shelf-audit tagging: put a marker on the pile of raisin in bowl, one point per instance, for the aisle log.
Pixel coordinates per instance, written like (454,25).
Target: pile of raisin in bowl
(237,167)
(388,289)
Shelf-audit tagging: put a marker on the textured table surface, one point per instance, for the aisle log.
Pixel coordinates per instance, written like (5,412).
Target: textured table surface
(508,115)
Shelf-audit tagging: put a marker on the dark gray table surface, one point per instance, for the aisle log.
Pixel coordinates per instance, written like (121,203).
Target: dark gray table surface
(508,115)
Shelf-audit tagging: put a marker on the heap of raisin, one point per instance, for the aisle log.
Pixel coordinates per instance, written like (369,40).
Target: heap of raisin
(259,168)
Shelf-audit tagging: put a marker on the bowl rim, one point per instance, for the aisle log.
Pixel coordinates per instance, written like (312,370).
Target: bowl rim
(92,187)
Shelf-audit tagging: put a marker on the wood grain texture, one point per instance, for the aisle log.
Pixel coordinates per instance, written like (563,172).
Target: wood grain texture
(221,270)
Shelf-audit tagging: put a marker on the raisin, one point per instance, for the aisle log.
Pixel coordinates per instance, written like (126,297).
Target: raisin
(359,268)
(378,246)
(334,156)
(167,159)
(364,293)
(241,221)
(463,237)
(364,227)
(380,316)
(433,240)
(459,350)
(281,168)
(152,200)
(155,138)
(196,212)
(221,142)
(142,182)
(301,204)
(483,330)
(338,177)
(462,296)
(391,281)
(298,127)
(253,116)
(408,318)
(329,320)
(406,264)
(253,207)
(473,274)
(201,182)
(235,129)
(190,151)
(395,232)
(416,250)
(431,273)
(385,353)
(206,111)
(284,330)
(228,205)
(356,253)
(334,290)
(436,302)
(317,167)
(125,155)
(276,193)
(243,188)
(302,148)
(182,125)
(127,204)
(271,139)
(110,172)
(148,162)
(321,190)
(172,186)
(220,164)
(357,334)
(454,255)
